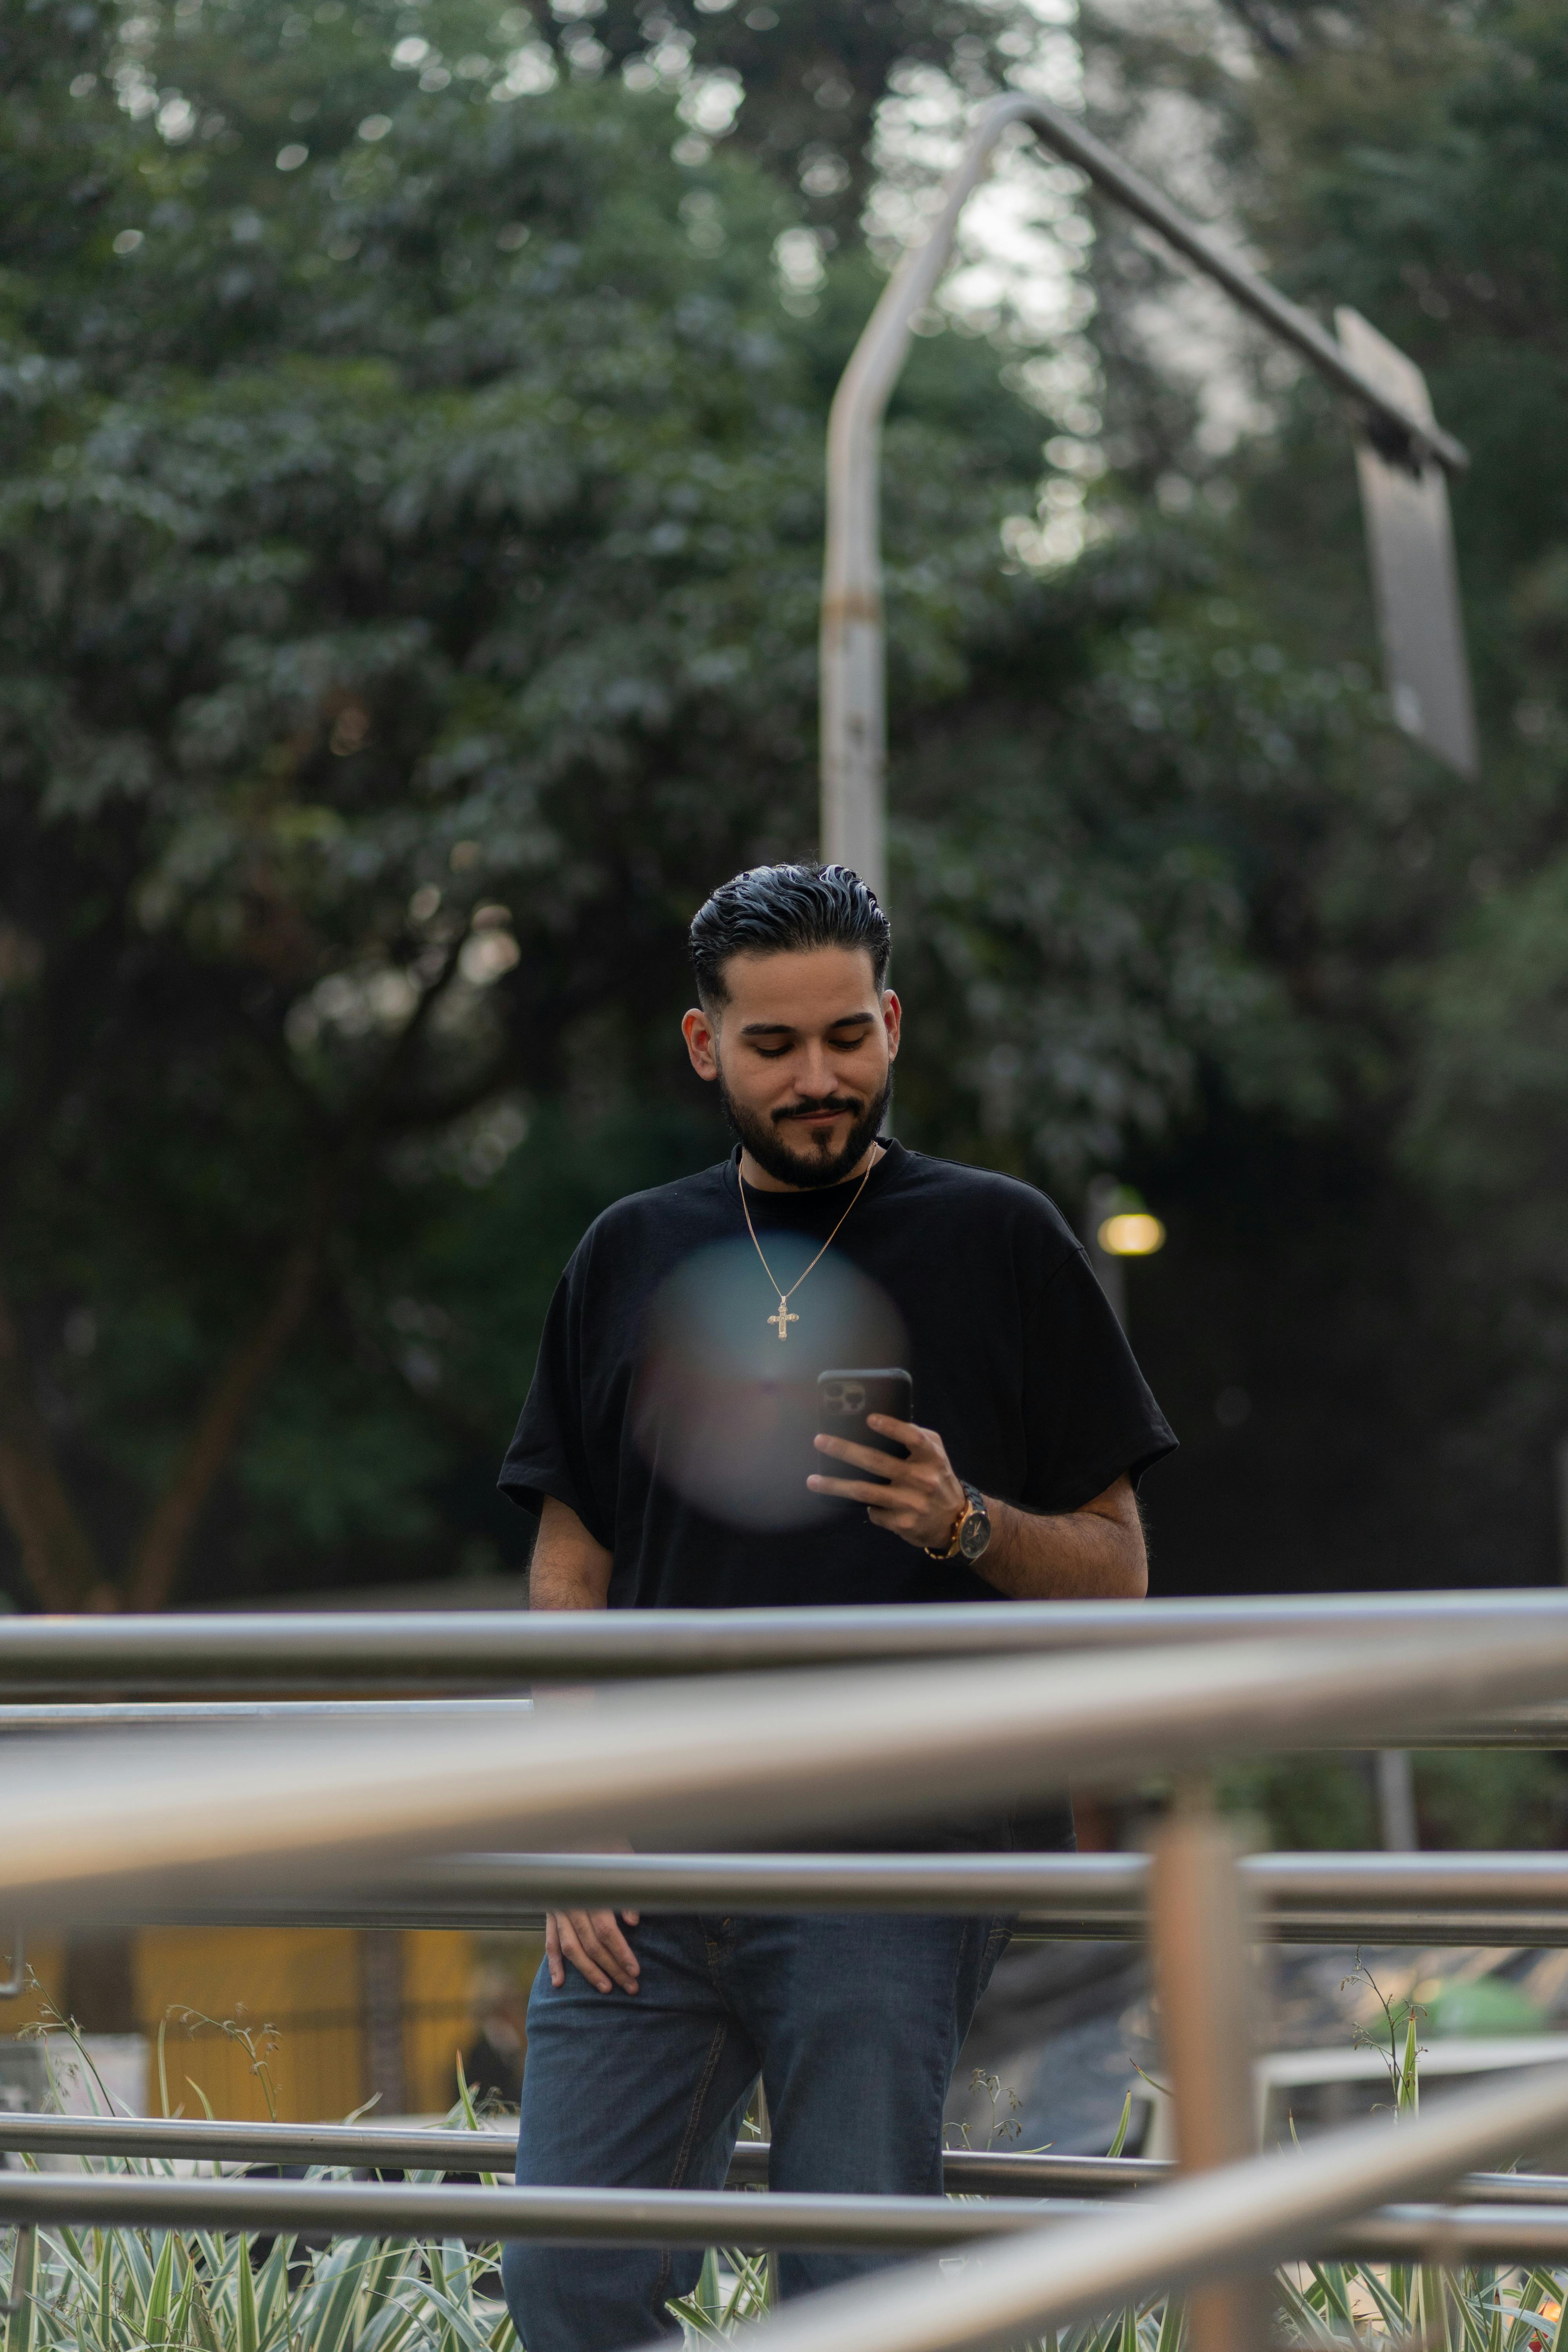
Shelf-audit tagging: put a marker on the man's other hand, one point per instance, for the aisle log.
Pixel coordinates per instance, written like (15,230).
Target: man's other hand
(571,1569)
(593,1942)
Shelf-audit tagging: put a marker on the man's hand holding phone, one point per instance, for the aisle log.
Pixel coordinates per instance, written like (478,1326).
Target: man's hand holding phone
(908,1486)
(919,1498)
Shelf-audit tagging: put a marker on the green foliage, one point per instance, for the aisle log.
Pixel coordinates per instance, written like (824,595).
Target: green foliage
(408,560)
(805,77)
(201,2290)
(204,2290)
(409,545)
(1470,1799)
(207,2290)
(1317,2304)
(1303,1804)
(1488,2005)
(408,554)
(1394,1203)
(1473,1799)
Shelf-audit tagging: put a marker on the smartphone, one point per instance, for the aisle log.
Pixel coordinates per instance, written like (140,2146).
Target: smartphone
(844,1399)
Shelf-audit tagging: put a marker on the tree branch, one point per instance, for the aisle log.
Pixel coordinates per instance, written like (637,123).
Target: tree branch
(160,1554)
(58,1558)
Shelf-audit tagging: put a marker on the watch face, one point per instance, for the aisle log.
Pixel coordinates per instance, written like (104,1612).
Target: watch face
(974,1534)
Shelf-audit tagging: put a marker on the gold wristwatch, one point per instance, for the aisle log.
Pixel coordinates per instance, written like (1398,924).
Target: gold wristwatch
(970,1530)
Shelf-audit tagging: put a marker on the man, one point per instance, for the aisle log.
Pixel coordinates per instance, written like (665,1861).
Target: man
(666,1445)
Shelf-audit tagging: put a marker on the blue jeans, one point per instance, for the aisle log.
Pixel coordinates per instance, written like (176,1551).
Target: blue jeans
(853,2024)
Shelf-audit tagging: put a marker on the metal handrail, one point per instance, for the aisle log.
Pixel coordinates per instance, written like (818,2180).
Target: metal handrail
(667,2216)
(685,2217)
(757,1753)
(1428,1898)
(403,2147)
(1301,2200)
(101,1816)
(1105,1885)
(693,2218)
(969,2172)
(489,1650)
(1538,1726)
(1266,2210)
(95,1820)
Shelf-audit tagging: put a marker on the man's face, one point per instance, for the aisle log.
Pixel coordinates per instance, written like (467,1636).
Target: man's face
(802,1051)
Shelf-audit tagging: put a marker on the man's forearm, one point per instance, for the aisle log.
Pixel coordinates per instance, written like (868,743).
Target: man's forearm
(569,1570)
(1087,1555)
(558,1583)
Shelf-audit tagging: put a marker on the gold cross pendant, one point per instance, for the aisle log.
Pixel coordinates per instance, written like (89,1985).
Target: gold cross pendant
(782,1318)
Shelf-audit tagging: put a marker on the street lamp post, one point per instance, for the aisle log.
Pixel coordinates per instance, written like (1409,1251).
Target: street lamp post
(1403,455)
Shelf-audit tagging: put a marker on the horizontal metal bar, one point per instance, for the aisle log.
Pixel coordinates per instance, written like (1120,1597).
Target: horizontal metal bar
(1444,2235)
(1283,317)
(338,2208)
(153,1715)
(670,2217)
(95,1820)
(354,2147)
(1463,1898)
(1206,2226)
(1107,1883)
(1535,1727)
(488,1650)
(1423,1930)
(968,2172)
(357,2146)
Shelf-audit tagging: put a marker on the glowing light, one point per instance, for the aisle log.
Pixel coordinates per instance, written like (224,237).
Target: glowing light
(1133,1234)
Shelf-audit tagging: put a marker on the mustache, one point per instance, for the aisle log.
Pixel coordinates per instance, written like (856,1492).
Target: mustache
(850,1103)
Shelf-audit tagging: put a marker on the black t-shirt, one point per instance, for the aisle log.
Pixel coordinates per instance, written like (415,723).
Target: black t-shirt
(667,1412)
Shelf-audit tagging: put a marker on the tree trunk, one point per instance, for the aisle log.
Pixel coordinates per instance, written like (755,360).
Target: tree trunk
(161,1553)
(58,1558)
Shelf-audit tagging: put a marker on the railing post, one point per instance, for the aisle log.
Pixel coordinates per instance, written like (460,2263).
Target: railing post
(1202,1949)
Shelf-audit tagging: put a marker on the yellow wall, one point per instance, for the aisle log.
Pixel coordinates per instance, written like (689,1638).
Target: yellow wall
(437,1975)
(292,2001)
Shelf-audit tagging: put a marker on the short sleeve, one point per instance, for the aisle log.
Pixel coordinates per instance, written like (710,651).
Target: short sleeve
(549,1454)
(1089,1413)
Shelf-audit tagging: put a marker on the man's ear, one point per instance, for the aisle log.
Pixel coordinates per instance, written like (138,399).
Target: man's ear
(893,1022)
(700,1031)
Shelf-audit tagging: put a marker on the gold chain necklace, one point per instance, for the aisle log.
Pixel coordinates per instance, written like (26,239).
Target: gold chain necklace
(783,1319)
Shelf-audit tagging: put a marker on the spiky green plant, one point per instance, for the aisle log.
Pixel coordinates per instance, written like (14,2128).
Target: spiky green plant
(125,2290)
(1319,2306)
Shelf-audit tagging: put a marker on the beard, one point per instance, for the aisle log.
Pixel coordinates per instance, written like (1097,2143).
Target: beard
(764,1135)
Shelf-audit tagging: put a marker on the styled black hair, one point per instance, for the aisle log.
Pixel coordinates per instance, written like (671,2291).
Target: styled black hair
(770,909)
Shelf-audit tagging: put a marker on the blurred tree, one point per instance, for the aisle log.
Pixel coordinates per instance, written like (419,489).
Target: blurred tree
(409,535)
(798,85)
(409,555)
(1385,1292)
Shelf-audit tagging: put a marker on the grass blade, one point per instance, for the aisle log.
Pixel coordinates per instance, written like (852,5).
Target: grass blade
(21,2326)
(247,2333)
(155,2325)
